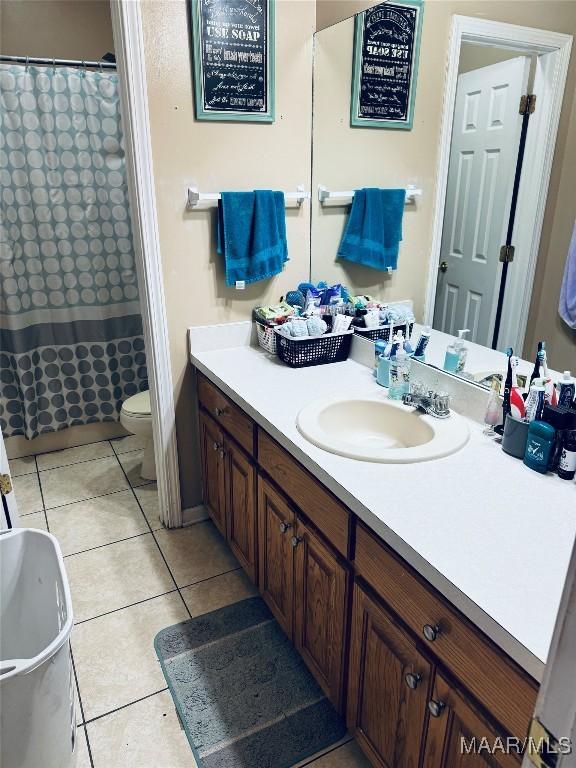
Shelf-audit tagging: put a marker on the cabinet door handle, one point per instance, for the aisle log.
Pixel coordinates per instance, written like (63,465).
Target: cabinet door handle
(215,446)
(431,632)
(219,411)
(412,680)
(296,540)
(436,707)
(284,527)
(222,453)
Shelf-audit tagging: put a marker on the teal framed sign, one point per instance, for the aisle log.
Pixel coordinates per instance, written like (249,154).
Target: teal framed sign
(233,47)
(385,64)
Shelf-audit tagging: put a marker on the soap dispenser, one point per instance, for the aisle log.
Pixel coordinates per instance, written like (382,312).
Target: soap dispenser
(456,354)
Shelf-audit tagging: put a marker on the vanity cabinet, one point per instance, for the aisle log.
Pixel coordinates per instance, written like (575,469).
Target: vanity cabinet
(415,675)
(459,735)
(229,482)
(305,586)
(390,681)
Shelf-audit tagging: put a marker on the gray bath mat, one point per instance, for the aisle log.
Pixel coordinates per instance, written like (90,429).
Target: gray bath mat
(243,693)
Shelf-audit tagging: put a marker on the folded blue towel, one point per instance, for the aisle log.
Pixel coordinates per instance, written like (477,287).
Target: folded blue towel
(567,308)
(252,234)
(374,228)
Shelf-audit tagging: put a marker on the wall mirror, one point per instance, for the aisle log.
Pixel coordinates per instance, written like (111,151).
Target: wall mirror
(480,152)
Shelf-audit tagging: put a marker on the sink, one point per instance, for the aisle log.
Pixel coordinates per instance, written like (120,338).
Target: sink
(375,429)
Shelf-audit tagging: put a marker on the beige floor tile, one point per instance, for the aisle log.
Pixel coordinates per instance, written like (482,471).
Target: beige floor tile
(83,758)
(28,496)
(35,520)
(74,455)
(348,756)
(94,522)
(129,443)
(23,466)
(195,553)
(145,735)
(131,463)
(66,485)
(217,592)
(115,576)
(115,658)
(147,495)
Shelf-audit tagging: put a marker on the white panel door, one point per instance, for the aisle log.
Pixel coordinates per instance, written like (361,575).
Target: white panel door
(9,498)
(483,155)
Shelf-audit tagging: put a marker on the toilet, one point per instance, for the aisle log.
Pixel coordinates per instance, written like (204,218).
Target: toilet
(136,418)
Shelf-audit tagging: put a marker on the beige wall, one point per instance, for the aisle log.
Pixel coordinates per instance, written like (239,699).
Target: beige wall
(214,157)
(63,29)
(350,157)
(332,11)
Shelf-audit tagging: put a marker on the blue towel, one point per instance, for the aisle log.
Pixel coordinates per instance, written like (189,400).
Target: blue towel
(252,234)
(567,308)
(374,228)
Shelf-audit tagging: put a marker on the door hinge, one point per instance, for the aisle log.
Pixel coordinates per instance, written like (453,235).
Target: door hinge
(542,749)
(507,253)
(5,485)
(527,104)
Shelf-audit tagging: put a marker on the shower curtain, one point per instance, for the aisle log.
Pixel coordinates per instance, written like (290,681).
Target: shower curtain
(71,345)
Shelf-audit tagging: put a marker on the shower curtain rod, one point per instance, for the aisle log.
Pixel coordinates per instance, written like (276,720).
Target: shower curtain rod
(58,62)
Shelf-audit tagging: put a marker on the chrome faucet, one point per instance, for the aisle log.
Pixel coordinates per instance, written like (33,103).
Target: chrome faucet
(436,404)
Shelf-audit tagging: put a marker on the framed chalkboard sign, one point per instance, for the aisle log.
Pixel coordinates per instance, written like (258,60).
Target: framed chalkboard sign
(233,43)
(385,64)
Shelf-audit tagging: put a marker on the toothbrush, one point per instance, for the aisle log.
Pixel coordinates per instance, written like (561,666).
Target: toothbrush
(507,385)
(517,407)
(540,355)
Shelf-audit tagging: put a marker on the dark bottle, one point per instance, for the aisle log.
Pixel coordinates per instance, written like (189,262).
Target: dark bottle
(567,463)
(359,321)
(559,418)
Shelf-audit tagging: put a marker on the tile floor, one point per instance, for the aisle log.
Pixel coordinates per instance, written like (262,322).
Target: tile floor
(130,578)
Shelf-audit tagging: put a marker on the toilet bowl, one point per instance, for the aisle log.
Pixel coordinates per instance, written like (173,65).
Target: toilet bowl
(136,418)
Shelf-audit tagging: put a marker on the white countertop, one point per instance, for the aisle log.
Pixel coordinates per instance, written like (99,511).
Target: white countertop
(490,534)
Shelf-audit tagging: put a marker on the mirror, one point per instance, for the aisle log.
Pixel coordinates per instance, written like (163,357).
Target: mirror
(470,242)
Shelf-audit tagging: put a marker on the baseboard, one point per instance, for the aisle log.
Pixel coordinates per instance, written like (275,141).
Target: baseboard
(194,515)
(19,446)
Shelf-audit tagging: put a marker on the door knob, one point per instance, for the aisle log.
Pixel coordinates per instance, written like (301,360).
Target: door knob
(296,540)
(431,632)
(284,527)
(443,266)
(436,707)
(412,680)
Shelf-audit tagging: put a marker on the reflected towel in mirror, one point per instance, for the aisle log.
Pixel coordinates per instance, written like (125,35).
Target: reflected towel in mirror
(567,307)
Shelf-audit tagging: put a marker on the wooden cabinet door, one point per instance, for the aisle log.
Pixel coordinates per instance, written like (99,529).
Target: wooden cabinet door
(241,507)
(387,715)
(320,599)
(276,553)
(459,736)
(212,457)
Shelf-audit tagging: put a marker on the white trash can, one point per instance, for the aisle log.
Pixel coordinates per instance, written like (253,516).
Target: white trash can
(37,718)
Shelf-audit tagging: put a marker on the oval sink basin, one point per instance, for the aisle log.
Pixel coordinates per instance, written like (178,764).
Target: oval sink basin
(374,429)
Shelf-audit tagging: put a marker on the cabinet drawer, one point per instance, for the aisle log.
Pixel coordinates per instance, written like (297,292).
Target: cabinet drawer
(507,692)
(330,516)
(227,414)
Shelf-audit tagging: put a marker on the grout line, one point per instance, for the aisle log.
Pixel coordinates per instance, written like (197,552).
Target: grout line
(124,706)
(74,463)
(88,498)
(214,576)
(88,745)
(123,607)
(322,755)
(41,495)
(155,540)
(108,544)
(77,686)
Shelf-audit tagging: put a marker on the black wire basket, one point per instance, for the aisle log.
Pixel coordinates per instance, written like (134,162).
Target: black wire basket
(313,350)
(382,332)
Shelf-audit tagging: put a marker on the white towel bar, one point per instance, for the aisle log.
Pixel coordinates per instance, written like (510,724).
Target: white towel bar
(345,198)
(196,199)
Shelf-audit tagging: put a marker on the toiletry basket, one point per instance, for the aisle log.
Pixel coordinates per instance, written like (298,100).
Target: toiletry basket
(266,337)
(381,332)
(313,350)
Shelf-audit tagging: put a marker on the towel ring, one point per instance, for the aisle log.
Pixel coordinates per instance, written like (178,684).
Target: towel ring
(27,65)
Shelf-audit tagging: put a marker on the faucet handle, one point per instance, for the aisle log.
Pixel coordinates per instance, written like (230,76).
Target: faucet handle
(442,402)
